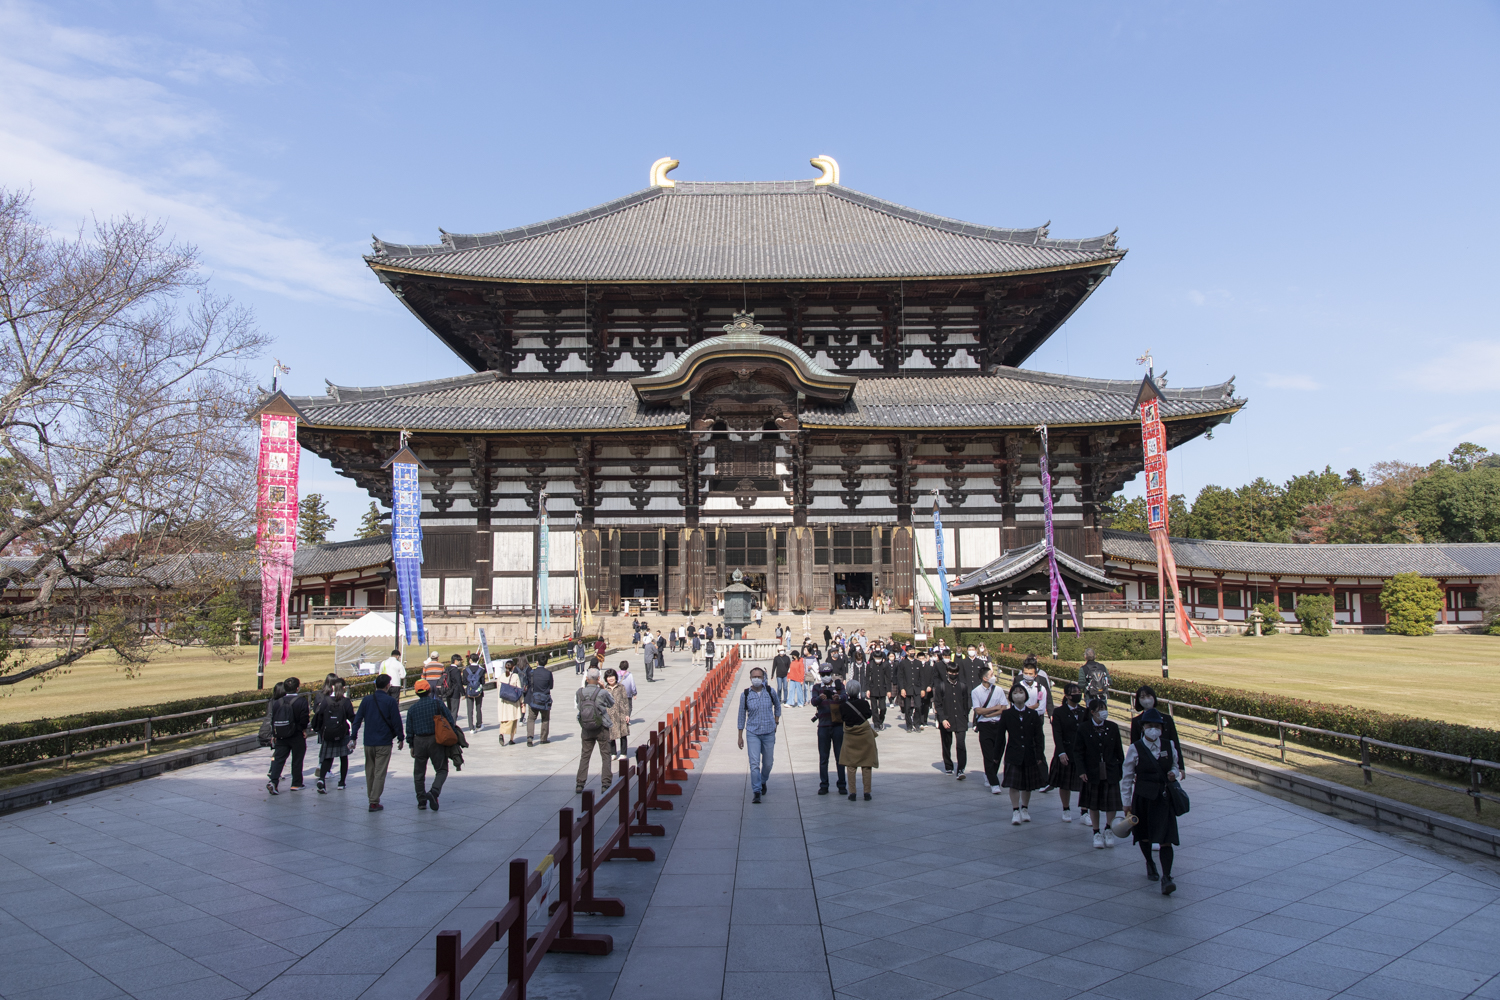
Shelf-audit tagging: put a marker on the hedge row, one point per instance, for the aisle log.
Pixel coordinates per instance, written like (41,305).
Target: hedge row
(44,749)
(1108,643)
(1419,733)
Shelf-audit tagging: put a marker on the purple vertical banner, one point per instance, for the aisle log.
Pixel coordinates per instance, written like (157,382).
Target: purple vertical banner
(1057,582)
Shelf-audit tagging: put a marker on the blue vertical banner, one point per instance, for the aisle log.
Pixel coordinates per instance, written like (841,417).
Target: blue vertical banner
(406,540)
(544,610)
(937,531)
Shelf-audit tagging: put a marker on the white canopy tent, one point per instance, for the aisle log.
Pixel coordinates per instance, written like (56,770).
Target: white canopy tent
(368,639)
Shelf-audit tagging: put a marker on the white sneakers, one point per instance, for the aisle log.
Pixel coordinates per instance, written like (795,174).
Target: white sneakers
(994,789)
(1067,815)
(1098,841)
(1109,838)
(1025,815)
(1015,817)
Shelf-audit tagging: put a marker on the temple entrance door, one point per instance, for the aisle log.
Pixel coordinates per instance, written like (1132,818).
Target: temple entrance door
(638,585)
(852,585)
(1370,611)
(757,582)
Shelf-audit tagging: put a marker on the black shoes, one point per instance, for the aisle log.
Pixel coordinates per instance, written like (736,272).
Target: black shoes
(422,803)
(756,800)
(1168,886)
(322,788)
(868,796)
(853,797)
(1151,871)
(434,802)
(271,787)
(822,790)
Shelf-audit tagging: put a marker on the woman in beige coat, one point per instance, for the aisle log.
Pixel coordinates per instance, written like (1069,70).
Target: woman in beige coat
(859,750)
(510,711)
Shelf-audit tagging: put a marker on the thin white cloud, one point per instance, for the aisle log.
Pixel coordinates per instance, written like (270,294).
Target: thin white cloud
(92,126)
(1302,383)
(1472,366)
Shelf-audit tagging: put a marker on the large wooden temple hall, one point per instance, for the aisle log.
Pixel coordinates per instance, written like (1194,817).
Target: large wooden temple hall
(779,377)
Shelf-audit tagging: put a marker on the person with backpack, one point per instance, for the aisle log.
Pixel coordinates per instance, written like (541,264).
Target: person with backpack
(432,730)
(289,731)
(453,684)
(827,702)
(473,692)
(594,705)
(760,714)
(708,655)
(331,723)
(538,702)
(380,716)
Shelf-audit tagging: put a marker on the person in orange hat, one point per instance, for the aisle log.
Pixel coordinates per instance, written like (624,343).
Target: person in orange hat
(421,730)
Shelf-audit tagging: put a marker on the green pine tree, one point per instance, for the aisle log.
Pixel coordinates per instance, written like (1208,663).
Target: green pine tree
(369,524)
(313,520)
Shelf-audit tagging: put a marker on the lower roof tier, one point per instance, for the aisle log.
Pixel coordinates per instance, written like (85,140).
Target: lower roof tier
(489,402)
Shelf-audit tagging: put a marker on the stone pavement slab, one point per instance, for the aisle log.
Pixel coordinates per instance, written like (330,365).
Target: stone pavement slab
(199,884)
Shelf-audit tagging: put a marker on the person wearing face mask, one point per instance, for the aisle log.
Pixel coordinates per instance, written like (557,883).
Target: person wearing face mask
(989,703)
(1025,753)
(827,702)
(1038,687)
(859,751)
(954,706)
(878,683)
(1145,700)
(971,668)
(1099,760)
(1064,774)
(1150,763)
(760,713)
(911,679)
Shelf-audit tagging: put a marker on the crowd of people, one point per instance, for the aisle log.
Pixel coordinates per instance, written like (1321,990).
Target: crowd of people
(851,682)
(1123,787)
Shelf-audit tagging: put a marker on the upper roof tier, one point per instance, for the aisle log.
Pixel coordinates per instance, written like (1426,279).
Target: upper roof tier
(743,231)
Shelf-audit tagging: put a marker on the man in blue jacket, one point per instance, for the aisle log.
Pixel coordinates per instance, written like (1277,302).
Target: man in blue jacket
(381,717)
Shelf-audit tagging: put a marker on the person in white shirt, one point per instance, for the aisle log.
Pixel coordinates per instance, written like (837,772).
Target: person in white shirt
(393,666)
(989,702)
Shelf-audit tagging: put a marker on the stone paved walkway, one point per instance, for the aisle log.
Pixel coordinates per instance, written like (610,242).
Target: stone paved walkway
(197,884)
(925,892)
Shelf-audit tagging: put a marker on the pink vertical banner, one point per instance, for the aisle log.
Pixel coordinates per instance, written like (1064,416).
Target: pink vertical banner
(276,522)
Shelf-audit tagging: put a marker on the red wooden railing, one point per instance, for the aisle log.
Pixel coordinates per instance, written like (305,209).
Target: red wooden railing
(658,767)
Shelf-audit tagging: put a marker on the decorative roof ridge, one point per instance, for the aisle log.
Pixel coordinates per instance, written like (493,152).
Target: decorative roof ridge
(752,341)
(1035,236)
(348,543)
(453,242)
(356,394)
(1304,546)
(1121,387)
(1017,561)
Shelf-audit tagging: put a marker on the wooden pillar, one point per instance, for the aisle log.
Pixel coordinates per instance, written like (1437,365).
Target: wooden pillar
(903,556)
(661,569)
(799,557)
(1444,585)
(592,570)
(1219,583)
(484,554)
(614,569)
(721,553)
(1276,595)
(770,596)
(691,554)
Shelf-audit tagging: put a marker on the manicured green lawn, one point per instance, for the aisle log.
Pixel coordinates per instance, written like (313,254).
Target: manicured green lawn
(1450,677)
(99,681)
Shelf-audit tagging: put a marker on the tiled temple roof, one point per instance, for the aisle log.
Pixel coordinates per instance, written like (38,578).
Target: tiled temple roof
(1435,559)
(733,231)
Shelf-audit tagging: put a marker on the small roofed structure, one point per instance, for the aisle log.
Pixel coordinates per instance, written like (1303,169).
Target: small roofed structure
(1021,575)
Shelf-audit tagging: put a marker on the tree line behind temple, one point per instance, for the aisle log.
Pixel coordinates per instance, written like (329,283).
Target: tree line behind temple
(1456,499)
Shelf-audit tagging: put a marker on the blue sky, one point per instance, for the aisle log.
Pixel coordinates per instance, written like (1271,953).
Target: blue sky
(1307,191)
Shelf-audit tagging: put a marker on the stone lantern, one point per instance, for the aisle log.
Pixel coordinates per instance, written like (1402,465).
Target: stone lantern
(739,606)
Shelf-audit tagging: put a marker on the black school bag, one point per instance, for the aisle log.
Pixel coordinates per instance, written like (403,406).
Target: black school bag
(281,717)
(335,726)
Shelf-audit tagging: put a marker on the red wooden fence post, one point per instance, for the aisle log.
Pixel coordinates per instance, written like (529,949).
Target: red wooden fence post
(447,962)
(515,965)
(624,850)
